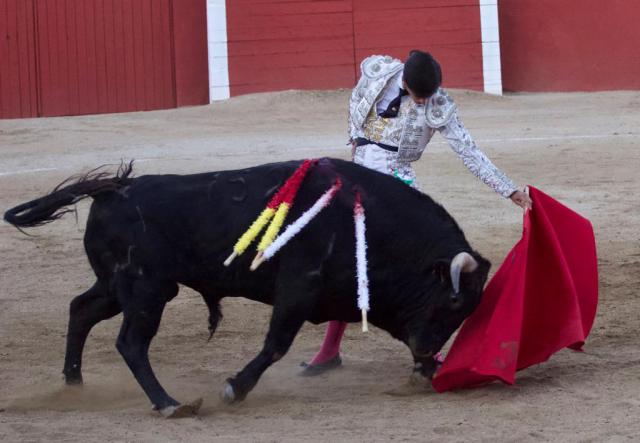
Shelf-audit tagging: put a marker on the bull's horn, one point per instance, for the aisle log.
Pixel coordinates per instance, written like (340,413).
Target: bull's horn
(462,262)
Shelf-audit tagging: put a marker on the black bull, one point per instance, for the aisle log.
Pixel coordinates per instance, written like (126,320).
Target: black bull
(148,234)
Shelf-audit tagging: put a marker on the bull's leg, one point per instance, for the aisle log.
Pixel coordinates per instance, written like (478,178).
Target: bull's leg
(143,302)
(85,312)
(291,308)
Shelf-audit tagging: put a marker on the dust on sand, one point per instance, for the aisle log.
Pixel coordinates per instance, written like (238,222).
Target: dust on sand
(582,149)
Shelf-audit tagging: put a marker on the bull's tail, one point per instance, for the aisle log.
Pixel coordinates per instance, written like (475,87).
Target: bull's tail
(53,205)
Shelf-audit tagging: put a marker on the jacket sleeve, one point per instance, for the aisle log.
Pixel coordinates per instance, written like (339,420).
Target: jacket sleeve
(474,159)
(356,95)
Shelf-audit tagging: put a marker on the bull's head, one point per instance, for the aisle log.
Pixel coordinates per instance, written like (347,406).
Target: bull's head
(465,275)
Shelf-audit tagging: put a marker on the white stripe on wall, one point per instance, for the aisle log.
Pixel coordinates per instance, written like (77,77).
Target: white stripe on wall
(217,44)
(490,47)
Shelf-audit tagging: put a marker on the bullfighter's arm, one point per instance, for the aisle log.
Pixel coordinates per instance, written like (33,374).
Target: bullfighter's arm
(356,95)
(474,159)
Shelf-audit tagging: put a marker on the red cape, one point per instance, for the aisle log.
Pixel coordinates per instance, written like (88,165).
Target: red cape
(542,299)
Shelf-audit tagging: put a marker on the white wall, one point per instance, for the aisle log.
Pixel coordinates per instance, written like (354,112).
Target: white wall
(490,46)
(217,43)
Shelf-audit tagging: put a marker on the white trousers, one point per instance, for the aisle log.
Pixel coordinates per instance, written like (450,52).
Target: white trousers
(381,160)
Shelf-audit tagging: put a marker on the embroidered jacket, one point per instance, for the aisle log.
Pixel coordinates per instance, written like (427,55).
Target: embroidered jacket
(415,125)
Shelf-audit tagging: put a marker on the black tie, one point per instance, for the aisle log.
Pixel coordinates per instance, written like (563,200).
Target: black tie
(394,106)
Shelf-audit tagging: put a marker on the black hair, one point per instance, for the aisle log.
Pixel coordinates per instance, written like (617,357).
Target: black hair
(422,73)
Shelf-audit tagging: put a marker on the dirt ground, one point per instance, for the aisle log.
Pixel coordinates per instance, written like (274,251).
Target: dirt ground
(582,149)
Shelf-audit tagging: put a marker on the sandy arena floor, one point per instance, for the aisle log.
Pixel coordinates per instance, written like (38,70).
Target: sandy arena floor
(582,149)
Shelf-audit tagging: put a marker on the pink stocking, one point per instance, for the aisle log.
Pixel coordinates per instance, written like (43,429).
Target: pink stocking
(331,344)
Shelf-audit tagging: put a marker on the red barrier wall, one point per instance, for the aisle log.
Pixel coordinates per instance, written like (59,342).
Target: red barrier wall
(72,57)
(569,45)
(311,44)
(449,29)
(276,45)
(98,56)
(18,85)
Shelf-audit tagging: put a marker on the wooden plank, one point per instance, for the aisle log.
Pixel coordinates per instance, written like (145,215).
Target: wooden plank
(42,43)
(101,57)
(167,60)
(81,58)
(110,56)
(72,59)
(63,90)
(30,20)
(147,56)
(23,53)
(138,56)
(162,64)
(128,55)
(301,8)
(53,98)
(7,108)
(93,91)
(13,60)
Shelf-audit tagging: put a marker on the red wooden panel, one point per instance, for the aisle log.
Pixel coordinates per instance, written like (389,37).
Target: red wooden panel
(303,44)
(100,56)
(17,52)
(573,45)
(450,30)
(190,43)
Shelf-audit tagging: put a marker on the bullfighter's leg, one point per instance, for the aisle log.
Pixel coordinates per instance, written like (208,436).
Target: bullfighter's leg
(86,310)
(328,357)
(143,302)
(294,300)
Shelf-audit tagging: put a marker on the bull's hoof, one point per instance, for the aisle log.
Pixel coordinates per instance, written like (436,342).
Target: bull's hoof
(419,380)
(182,411)
(228,395)
(73,380)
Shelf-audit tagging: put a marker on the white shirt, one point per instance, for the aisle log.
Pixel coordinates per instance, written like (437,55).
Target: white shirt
(390,92)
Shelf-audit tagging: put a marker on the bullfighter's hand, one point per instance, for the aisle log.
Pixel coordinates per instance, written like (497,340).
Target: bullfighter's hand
(521,199)
(353,150)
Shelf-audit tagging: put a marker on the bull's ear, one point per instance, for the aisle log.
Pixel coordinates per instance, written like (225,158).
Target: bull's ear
(441,269)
